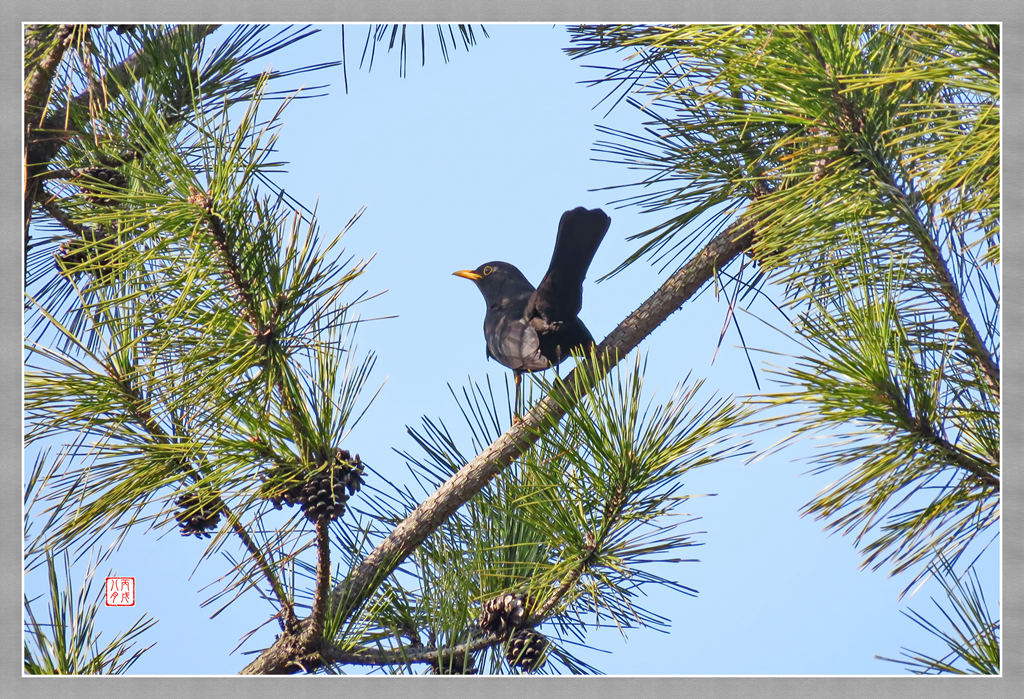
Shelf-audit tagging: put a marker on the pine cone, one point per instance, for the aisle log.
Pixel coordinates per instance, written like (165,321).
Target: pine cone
(354,473)
(322,496)
(325,492)
(526,649)
(453,664)
(69,254)
(197,515)
(95,248)
(278,494)
(88,177)
(503,614)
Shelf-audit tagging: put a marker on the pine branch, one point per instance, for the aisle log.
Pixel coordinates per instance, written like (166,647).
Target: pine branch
(471,478)
(548,604)
(40,76)
(121,76)
(418,653)
(241,287)
(290,620)
(852,121)
(976,467)
(407,655)
(947,286)
(48,202)
(37,88)
(44,136)
(314,630)
(144,417)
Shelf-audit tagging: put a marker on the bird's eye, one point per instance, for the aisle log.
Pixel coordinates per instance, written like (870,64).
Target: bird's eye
(487,270)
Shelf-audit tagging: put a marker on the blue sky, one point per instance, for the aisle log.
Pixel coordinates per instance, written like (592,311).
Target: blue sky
(475,160)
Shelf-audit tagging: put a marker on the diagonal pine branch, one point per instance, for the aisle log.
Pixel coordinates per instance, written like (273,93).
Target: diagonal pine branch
(947,285)
(281,657)
(38,79)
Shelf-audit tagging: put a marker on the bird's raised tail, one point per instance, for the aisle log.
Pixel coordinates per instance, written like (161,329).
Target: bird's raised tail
(559,295)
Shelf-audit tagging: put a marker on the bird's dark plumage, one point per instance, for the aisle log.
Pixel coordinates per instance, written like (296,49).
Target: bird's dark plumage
(529,329)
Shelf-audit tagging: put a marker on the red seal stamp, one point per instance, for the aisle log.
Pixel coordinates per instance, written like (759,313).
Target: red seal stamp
(120,592)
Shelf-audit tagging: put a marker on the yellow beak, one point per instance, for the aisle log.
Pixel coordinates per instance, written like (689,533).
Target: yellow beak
(468,274)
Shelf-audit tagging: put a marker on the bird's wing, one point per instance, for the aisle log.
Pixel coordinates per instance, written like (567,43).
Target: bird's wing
(512,342)
(559,296)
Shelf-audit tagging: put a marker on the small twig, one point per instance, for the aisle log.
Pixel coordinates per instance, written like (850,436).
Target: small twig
(288,609)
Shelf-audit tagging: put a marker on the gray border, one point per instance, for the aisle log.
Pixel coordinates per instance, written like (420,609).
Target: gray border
(11,682)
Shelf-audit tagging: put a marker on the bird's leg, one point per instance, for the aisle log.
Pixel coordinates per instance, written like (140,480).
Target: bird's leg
(515,411)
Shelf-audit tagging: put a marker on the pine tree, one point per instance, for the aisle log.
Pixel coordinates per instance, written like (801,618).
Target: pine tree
(191,357)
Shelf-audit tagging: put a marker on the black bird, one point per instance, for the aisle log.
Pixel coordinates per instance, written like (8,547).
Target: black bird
(529,329)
